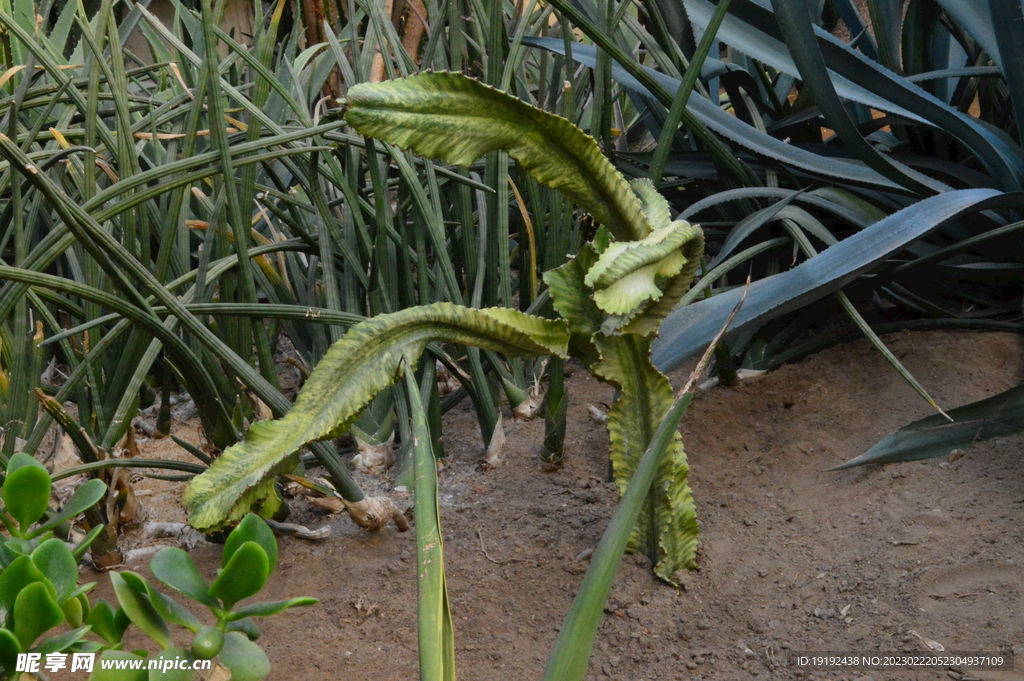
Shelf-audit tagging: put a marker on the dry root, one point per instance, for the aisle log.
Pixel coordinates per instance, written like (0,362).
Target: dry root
(374,459)
(374,513)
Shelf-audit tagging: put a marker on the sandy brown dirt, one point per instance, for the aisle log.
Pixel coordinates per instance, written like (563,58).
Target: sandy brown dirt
(792,558)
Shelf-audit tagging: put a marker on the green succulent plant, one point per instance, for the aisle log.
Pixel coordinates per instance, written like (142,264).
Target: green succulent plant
(249,558)
(39,588)
(611,297)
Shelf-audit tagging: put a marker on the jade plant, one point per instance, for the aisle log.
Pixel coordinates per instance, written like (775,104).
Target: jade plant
(611,299)
(39,592)
(47,596)
(39,588)
(249,558)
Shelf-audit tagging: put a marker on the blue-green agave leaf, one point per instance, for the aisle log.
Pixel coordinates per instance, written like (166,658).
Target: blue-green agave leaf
(689,329)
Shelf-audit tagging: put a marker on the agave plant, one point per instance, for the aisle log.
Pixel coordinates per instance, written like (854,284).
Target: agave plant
(611,297)
(911,202)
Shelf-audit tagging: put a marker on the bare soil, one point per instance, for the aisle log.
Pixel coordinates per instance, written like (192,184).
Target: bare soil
(874,560)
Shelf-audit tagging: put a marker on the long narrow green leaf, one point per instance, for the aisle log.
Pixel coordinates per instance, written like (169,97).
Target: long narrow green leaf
(434,617)
(642,75)
(690,79)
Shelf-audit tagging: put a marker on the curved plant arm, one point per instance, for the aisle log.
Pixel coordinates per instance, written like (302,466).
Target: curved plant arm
(448,116)
(369,358)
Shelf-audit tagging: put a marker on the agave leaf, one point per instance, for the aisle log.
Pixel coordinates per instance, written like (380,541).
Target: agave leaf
(730,127)
(689,329)
(448,116)
(1009,29)
(365,361)
(755,28)
(798,31)
(1001,415)
(667,527)
(855,23)
(974,17)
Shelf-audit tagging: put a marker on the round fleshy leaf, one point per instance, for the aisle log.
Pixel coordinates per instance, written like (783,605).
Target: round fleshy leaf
(26,493)
(13,580)
(244,659)
(247,627)
(243,576)
(101,617)
(19,461)
(140,610)
(84,498)
(35,612)
(174,567)
(207,643)
(9,650)
(61,642)
(101,674)
(252,528)
(72,609)
(169,661)
(271,607)
(54,559)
